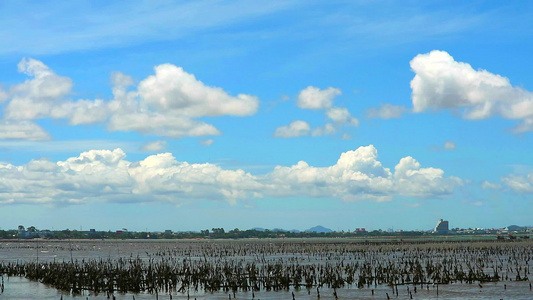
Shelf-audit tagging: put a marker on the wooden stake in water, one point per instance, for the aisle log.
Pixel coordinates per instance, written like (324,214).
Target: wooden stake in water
(70,246)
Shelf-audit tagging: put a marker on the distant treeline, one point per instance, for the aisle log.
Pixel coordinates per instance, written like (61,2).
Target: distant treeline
(214,233)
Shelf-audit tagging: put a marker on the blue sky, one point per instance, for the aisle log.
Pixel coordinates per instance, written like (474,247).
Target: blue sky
(238,114)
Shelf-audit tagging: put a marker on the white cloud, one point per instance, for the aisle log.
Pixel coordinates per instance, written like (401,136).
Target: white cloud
(35,97)
(525,126)
(207,142)
(412,180)
(359,175)
(63,147)
(106,175)
(3,95)
(315,98)
(327,129)
(154,146)
(162,174)
(522,184)
(82,111)
(121,80)
(341,116)
(294,129)
(22,130)
(165,104)
(449,145)
(160,124)
(386,111)
(490,185)
(443,83)
(175,91)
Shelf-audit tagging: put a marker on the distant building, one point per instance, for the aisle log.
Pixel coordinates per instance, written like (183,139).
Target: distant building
(22,231)
(442,226)
(360,230)
(168,231)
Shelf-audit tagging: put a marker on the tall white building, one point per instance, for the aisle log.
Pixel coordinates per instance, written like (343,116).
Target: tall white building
(442,226)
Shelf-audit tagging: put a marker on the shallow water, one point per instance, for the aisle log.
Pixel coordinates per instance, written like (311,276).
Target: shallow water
(21,288)
(31,251)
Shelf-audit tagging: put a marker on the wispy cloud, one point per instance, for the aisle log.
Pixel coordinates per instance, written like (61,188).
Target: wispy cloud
(42,28)
(447,146)
(154,146)
(207,142)
(46,147)
(35,28)
(386,111)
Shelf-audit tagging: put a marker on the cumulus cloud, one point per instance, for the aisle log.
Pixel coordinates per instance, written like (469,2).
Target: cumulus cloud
(82,111)
(168,102)
(315,98)
(154,146)
(106,175)
(440,82)
(521,184)
(162,175)
(35,97)
(164,104)
(294,129)
(119,79)
(386,111)
(22,130)
(341,116)
(359,174)
(412,180)
(172,89)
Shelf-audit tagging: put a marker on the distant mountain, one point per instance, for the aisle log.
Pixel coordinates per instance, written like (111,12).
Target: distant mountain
(319,229)
(514,228)
(258,229)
